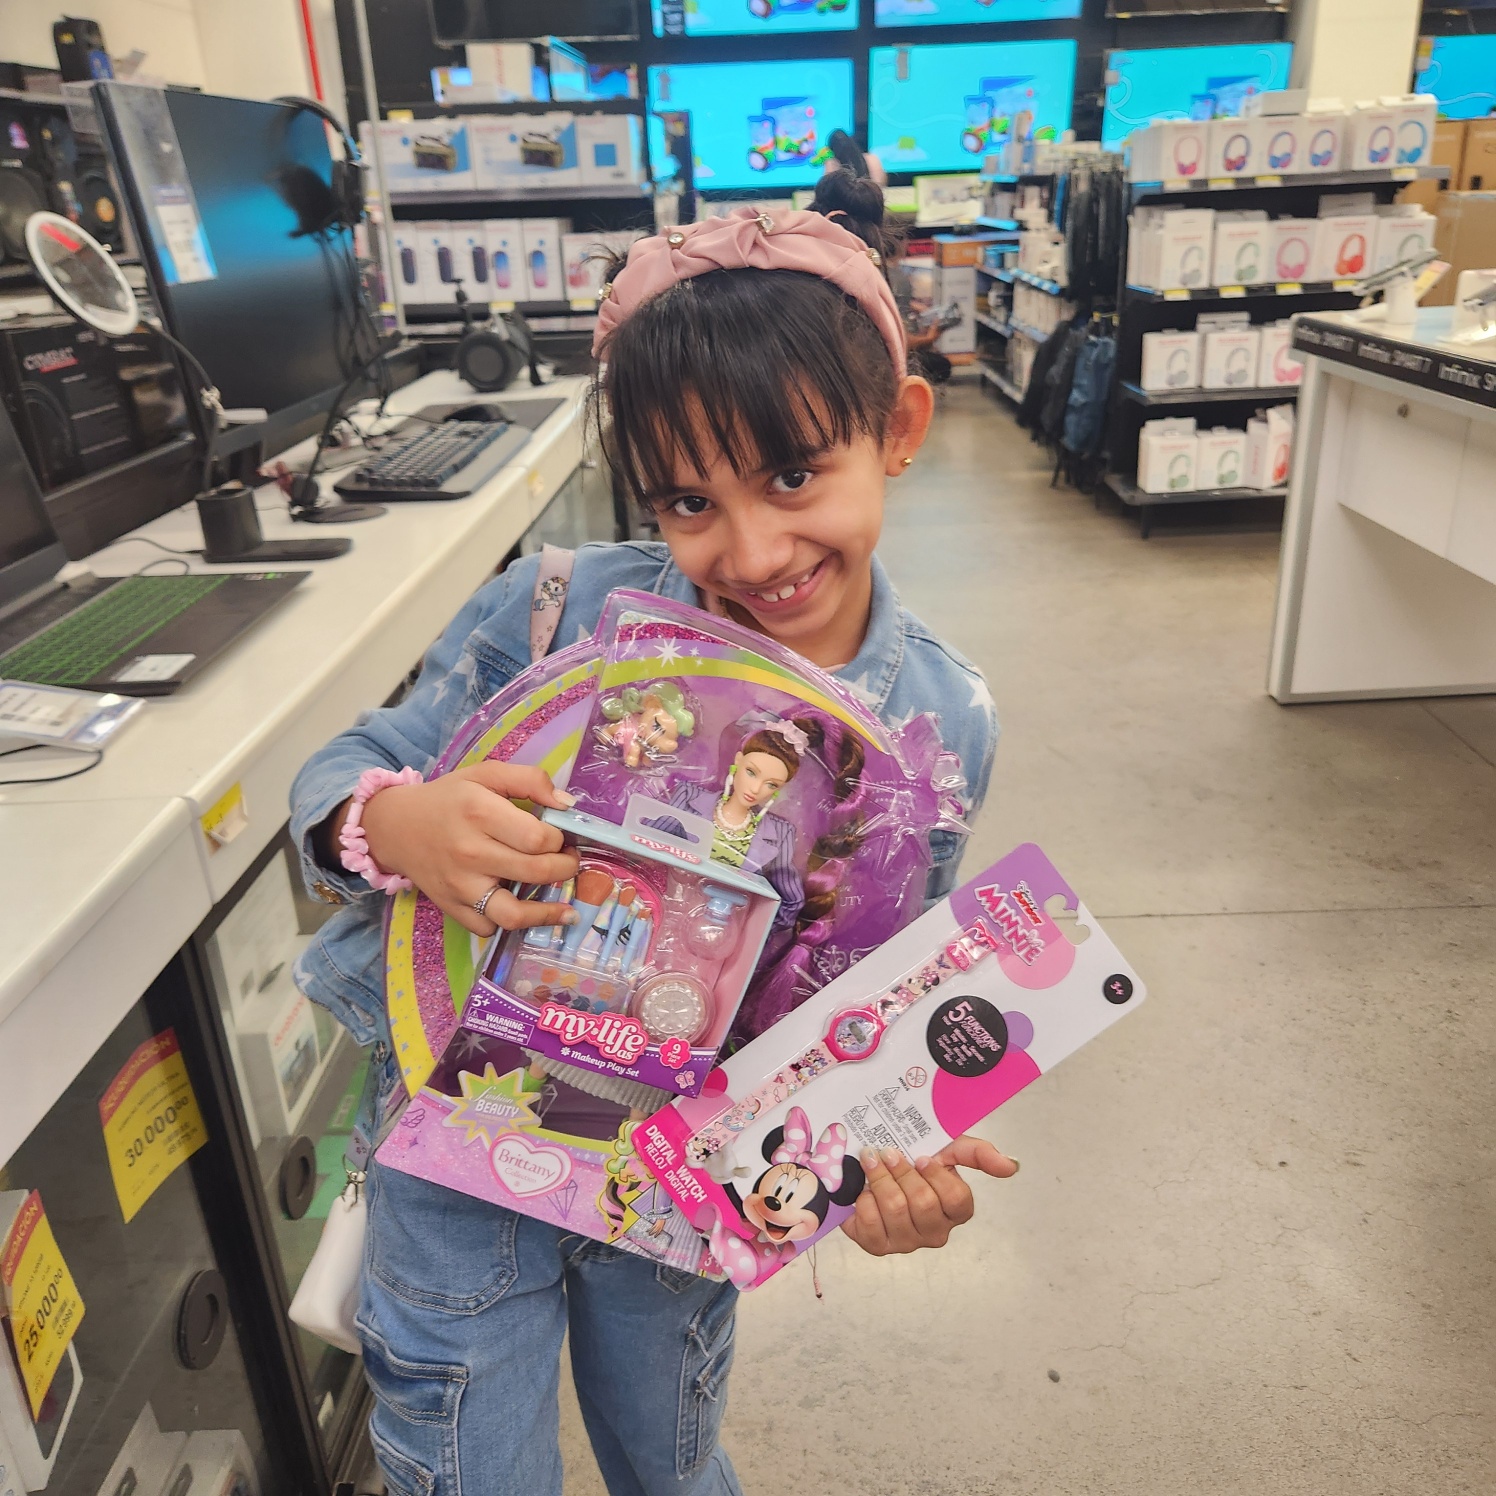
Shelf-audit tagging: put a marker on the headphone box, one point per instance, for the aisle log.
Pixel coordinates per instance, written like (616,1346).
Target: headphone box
(608,148)
(1237,148)
(1291,246)
(1324,143)
(1403,231)
(1345,246)
(1167,450)
(1171,360)
(1277,364)
(1284,143)
(1229,358)
(1186,238)
(1240,253)
(1392,132)
(1170,150)
(1221,458)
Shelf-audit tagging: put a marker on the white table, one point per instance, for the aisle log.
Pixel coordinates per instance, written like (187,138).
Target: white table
(1387,585)
(104,877)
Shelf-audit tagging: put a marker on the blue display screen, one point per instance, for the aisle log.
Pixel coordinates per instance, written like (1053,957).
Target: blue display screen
(760,126)
(1187,83)
(1460,71)
(945,108)
(971,12)
(751,17)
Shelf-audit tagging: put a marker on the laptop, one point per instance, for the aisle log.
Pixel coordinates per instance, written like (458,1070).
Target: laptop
(137,636)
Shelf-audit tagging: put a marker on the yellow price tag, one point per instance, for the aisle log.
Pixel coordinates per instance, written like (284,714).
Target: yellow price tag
(151,1121)
(1177,294)
(1233,291)
(584,303)
(45,1310)
(1218,184)
(226,818)
(1345,285)
(1404,173)
(1272,179)
(1288,288)
(497,307)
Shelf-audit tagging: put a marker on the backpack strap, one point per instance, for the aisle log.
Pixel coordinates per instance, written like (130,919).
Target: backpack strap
(551,582)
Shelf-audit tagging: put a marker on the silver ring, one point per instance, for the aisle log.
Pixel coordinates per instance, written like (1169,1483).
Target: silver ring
(482,905)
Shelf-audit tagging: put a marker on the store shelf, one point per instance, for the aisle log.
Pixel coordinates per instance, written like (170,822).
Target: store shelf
(1397,175)
(993,325)
(438,310)
(1005,225)
(1282,394)
(609,191)
(1128,491)
(429,110)
(1029,332)
(1004,180)
(1246,293)
(1006,386)
(1039,283)
(1006,276)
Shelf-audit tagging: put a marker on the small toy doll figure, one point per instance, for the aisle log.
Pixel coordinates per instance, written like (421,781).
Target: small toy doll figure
(646,722)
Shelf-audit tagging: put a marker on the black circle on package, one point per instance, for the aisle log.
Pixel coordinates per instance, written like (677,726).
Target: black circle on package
(1117,988)
(967,1036)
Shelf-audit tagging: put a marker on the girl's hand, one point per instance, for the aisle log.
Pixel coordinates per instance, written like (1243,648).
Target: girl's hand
(457,836)
(908,1206)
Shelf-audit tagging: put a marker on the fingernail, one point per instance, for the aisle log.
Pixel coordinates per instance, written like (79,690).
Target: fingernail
(566,799)
(870,1159)
(569,917)
(1016,1165)
(891,1156)
(923,1162)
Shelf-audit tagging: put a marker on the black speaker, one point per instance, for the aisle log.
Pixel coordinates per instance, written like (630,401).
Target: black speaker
(22,193)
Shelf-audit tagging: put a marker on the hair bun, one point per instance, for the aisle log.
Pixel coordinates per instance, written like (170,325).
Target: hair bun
(856,201)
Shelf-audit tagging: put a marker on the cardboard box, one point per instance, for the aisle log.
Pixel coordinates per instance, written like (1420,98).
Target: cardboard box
(407,271)
(956,295)
(1401,234)
(1236,148)
(960,249)
(428,155)
(1465,235)
(1221,458)
(1345,247)
(470,262)
(1171,150)
(1167,451)
(1228,358)
(1326,143)
(436,265)
(1291,248)
(1478,160)
(1449,147)
(609,149)
(1239,256)
(545,275)
(1185,238)
(504,238)
(1277,364)
(1389,133)
(1171,361)
(525,152)
(1285,144)
(1270,448)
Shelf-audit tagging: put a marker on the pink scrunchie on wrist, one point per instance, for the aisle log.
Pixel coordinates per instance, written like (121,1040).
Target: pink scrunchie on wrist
(355,843)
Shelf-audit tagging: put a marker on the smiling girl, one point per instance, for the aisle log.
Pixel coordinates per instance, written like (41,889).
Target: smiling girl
(757,403)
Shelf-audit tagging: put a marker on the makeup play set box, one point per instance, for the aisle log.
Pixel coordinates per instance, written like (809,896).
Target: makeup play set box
(919,1041)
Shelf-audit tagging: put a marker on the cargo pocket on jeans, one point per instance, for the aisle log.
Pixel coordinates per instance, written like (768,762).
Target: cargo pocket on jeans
(705,1363)
(414,1427)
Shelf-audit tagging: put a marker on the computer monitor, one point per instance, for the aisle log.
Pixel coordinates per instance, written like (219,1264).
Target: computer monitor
(758,126)
(1187,83)
(934,108)
(30,552)
(752,17)
(229,198)
(1460,71)
(971,12)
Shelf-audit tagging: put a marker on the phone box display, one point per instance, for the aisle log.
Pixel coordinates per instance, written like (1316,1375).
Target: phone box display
(525,152)
(545,275)
(1229,358)
(608,148)
(1402,233)
(1240,254)
(427,155)
(436,265)
(1290,248)
(277,1044)
(1171,360)
(1344,247)
(1167,450)
(1221,458)
(924,1037)
(504,238)
(1270,448)
(1236,148)
(1392,132)
(956,297)
(1277,364)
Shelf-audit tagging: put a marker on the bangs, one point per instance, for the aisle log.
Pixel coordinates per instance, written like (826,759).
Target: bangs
(762,369)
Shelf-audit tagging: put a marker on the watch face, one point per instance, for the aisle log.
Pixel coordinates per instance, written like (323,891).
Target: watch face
(855,1034)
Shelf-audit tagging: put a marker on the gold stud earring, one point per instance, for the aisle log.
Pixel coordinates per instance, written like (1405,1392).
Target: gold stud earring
(908,462)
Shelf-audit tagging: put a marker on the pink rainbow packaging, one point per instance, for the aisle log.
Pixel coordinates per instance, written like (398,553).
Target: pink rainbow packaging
(921,1039)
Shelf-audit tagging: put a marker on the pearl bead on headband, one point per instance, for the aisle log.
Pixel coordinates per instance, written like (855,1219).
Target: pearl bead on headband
(746,239)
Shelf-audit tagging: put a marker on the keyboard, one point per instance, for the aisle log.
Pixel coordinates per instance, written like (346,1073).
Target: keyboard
(107,628)
(450,461)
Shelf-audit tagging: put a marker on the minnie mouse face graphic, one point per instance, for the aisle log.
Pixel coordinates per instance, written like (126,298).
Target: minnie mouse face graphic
(789,1200)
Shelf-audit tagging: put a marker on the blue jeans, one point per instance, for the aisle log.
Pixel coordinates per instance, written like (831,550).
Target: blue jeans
(462,1312)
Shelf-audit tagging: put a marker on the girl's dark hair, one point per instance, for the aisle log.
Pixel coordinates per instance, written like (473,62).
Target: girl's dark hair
(849,196)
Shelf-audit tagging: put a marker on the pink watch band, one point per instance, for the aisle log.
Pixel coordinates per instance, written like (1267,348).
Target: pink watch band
(355,843)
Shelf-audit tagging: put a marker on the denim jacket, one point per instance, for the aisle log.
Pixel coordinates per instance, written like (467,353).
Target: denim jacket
(902,669)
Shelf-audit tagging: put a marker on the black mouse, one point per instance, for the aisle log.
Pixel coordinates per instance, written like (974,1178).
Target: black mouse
(488,413)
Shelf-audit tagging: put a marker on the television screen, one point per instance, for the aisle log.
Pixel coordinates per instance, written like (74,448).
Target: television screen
(759,126)
(1187,83)
(456,21)
(971,12)
(944,108)
(1460,71)
(751,17)
(1192,7)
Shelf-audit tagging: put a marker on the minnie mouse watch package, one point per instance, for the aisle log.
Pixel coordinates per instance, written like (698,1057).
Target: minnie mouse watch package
(919,1040)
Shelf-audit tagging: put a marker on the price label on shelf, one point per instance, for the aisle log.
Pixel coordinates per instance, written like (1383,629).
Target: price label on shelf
(1345,285)
(1178,294)
(1177,184)
(1218,183)
(151,1121)
(40,1297)
(1272,179)
(1229,291)
(1288,288)
(584,303)
(1404,173)
(496,307)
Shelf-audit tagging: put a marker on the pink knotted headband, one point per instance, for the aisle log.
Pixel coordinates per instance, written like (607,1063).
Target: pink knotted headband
(750,240)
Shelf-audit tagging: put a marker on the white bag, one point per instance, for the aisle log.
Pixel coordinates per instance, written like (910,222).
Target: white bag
(327,1299)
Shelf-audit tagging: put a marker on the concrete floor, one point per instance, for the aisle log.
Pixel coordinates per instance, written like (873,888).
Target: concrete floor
(1255,1232)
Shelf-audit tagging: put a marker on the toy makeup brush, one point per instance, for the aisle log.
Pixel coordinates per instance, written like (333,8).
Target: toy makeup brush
(622,912)
(593,889)
(638,941)
(540,936)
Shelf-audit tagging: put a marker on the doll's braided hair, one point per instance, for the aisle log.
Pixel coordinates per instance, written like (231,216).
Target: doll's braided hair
(782,986)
